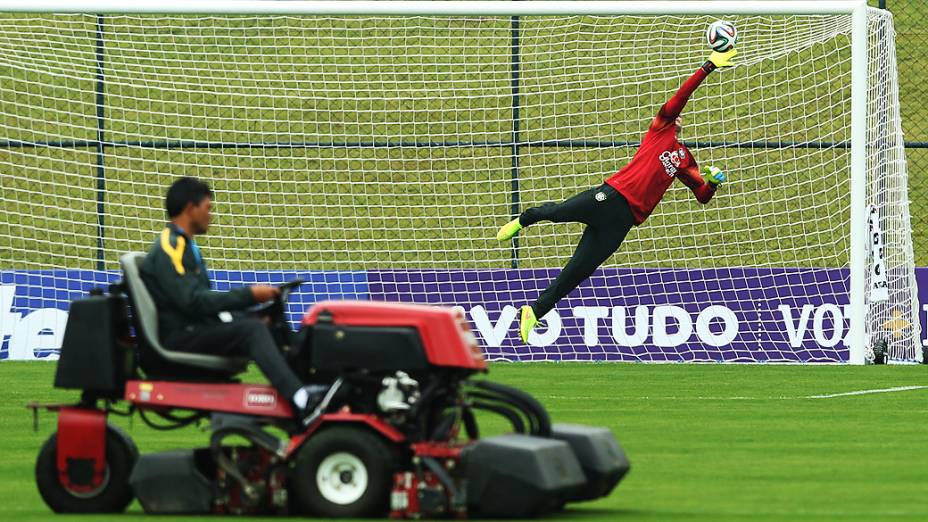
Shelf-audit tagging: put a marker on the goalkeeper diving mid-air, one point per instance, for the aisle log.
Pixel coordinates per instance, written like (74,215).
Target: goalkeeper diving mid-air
(625,200)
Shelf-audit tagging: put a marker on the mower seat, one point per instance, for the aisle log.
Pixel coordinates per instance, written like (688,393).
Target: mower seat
(146,324)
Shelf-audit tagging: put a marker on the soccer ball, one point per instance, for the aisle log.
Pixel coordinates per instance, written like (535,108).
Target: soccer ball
(721,35)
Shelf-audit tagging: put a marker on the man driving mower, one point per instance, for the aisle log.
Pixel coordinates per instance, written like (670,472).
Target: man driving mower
(194,318)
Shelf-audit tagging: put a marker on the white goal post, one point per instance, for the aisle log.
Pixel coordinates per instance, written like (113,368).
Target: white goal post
(386,141)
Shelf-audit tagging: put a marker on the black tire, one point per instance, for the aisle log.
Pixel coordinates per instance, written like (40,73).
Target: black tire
(363,448)
(115,494)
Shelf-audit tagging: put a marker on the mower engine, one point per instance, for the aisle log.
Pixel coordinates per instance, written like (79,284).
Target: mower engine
(398,395)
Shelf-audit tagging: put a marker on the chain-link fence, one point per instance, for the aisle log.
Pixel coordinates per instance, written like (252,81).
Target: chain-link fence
(911,22)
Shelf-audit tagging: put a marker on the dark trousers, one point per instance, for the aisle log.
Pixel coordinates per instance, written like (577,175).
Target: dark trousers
(243,338)
(608,220)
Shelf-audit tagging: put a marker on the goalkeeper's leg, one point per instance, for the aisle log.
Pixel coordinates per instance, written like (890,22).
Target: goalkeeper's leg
(578,208)
(600,239)
(595,247)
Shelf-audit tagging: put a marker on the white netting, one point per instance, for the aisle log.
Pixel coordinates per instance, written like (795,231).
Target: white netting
(887,190)
(386,151)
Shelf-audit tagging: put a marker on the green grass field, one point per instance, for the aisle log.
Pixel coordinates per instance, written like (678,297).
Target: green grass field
(707,443)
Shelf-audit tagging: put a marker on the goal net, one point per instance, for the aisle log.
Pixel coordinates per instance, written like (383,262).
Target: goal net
(376,156)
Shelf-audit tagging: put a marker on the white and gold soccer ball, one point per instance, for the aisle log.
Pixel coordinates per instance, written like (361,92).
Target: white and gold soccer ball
(721,35)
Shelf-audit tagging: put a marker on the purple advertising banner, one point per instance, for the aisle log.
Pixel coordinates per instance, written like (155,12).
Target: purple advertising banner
(725,315)
(659,315)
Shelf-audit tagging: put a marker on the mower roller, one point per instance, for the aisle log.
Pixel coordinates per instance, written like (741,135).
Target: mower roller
(396,435)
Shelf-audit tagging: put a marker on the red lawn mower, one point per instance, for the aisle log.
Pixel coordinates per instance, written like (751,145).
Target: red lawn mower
(396,433)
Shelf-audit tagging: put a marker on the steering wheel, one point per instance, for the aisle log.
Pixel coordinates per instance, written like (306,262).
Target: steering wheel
(288,287)
(266,307)
(276,311)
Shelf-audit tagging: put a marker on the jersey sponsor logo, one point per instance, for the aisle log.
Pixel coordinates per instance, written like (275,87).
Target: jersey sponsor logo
(672,159)
(600,196)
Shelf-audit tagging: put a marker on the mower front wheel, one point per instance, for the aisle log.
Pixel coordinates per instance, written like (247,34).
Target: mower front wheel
(343,471)
(113,495)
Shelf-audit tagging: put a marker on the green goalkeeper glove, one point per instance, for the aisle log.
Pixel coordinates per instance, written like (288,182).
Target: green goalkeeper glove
(722,59)
(714,176)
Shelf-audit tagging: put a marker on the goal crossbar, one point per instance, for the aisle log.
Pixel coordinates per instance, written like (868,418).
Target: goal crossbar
(451,7)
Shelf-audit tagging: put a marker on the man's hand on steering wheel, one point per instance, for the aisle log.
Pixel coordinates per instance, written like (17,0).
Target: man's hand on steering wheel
(264,293)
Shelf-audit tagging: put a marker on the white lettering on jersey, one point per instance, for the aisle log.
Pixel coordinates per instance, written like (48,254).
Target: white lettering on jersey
(671,160)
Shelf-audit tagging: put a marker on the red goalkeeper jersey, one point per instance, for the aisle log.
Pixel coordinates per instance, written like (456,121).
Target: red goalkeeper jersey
(661,158)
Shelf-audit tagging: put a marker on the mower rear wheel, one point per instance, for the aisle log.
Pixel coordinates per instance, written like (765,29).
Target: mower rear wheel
(343,471)
(113,495)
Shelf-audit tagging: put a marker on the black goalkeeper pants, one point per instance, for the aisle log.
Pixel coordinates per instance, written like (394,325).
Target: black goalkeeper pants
(608,220)
(242,338)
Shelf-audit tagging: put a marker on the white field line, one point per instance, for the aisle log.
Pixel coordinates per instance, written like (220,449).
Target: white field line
(747,398)
(867,392)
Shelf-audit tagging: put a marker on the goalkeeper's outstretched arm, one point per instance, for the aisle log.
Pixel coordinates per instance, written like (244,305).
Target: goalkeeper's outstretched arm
(703,189)
(674,106)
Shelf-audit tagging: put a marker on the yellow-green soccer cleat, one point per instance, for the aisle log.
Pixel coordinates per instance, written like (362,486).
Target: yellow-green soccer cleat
(508,230)
(527,322)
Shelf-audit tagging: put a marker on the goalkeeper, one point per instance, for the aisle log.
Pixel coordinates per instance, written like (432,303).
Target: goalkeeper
(624,200)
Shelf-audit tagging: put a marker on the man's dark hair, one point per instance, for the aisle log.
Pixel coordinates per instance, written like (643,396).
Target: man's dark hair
(185,190)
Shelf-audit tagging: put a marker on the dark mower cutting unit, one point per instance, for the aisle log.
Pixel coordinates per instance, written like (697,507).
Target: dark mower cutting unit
(396,434)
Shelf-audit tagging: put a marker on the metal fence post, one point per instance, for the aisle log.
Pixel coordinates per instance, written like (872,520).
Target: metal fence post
(101,167)
(516,135)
